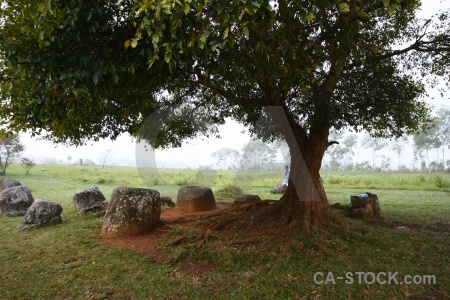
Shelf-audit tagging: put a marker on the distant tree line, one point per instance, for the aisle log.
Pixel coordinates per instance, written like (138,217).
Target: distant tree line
(256,154)
(425,146)
(429,151)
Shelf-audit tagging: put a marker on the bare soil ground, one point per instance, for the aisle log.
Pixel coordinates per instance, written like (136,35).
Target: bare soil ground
(151,243)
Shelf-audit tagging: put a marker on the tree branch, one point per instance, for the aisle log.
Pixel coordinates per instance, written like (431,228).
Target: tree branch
(419,46)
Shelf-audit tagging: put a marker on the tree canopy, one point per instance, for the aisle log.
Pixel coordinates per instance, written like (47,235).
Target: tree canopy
(66,74)
(78,70)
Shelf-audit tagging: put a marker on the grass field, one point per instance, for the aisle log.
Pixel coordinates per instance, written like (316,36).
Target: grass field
(68,261)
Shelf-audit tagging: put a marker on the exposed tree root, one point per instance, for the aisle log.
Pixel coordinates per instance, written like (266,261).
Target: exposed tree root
(240,224)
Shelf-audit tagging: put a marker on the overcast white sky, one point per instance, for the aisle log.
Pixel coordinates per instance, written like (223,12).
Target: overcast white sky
(192,154)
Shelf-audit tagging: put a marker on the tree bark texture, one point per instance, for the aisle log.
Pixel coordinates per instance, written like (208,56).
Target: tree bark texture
(303,204)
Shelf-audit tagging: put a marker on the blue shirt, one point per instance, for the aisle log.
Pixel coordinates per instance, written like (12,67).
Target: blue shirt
(286,178)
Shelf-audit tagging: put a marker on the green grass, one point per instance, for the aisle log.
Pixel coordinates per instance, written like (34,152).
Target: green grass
(389,181)
(69,261)
(415,207)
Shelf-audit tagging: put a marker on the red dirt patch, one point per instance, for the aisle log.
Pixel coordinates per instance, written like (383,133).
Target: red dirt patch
(149,243)
(146,243)
(176,215)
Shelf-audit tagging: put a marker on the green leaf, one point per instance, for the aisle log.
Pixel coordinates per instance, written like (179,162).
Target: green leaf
(343,8)
(241,15)
(258,47)
(152,60)
(245,31)
(225,33)
(95,78)
(155,37)
(43,9)
(167,57)
(386,2)
(392,7)
(186,8)
(217,7)
(256,4)
(48,5)
(199,8)
(203,38)
(249,11)
(363,16)
(134,42)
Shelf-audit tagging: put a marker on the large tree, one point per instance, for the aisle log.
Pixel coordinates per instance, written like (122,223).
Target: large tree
(287,69)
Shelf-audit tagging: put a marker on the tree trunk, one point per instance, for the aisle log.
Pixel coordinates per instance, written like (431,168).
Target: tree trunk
(437,159)
(304,203)
(305,199)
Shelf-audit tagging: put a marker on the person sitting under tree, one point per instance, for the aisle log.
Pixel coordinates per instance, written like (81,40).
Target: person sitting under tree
(282,186)
(286,176)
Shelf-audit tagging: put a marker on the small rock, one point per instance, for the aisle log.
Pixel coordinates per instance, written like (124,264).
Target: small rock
(89,200)
(167,201)
(99,210)
(41,213)
(245,199)
(15,201)
(7,183)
